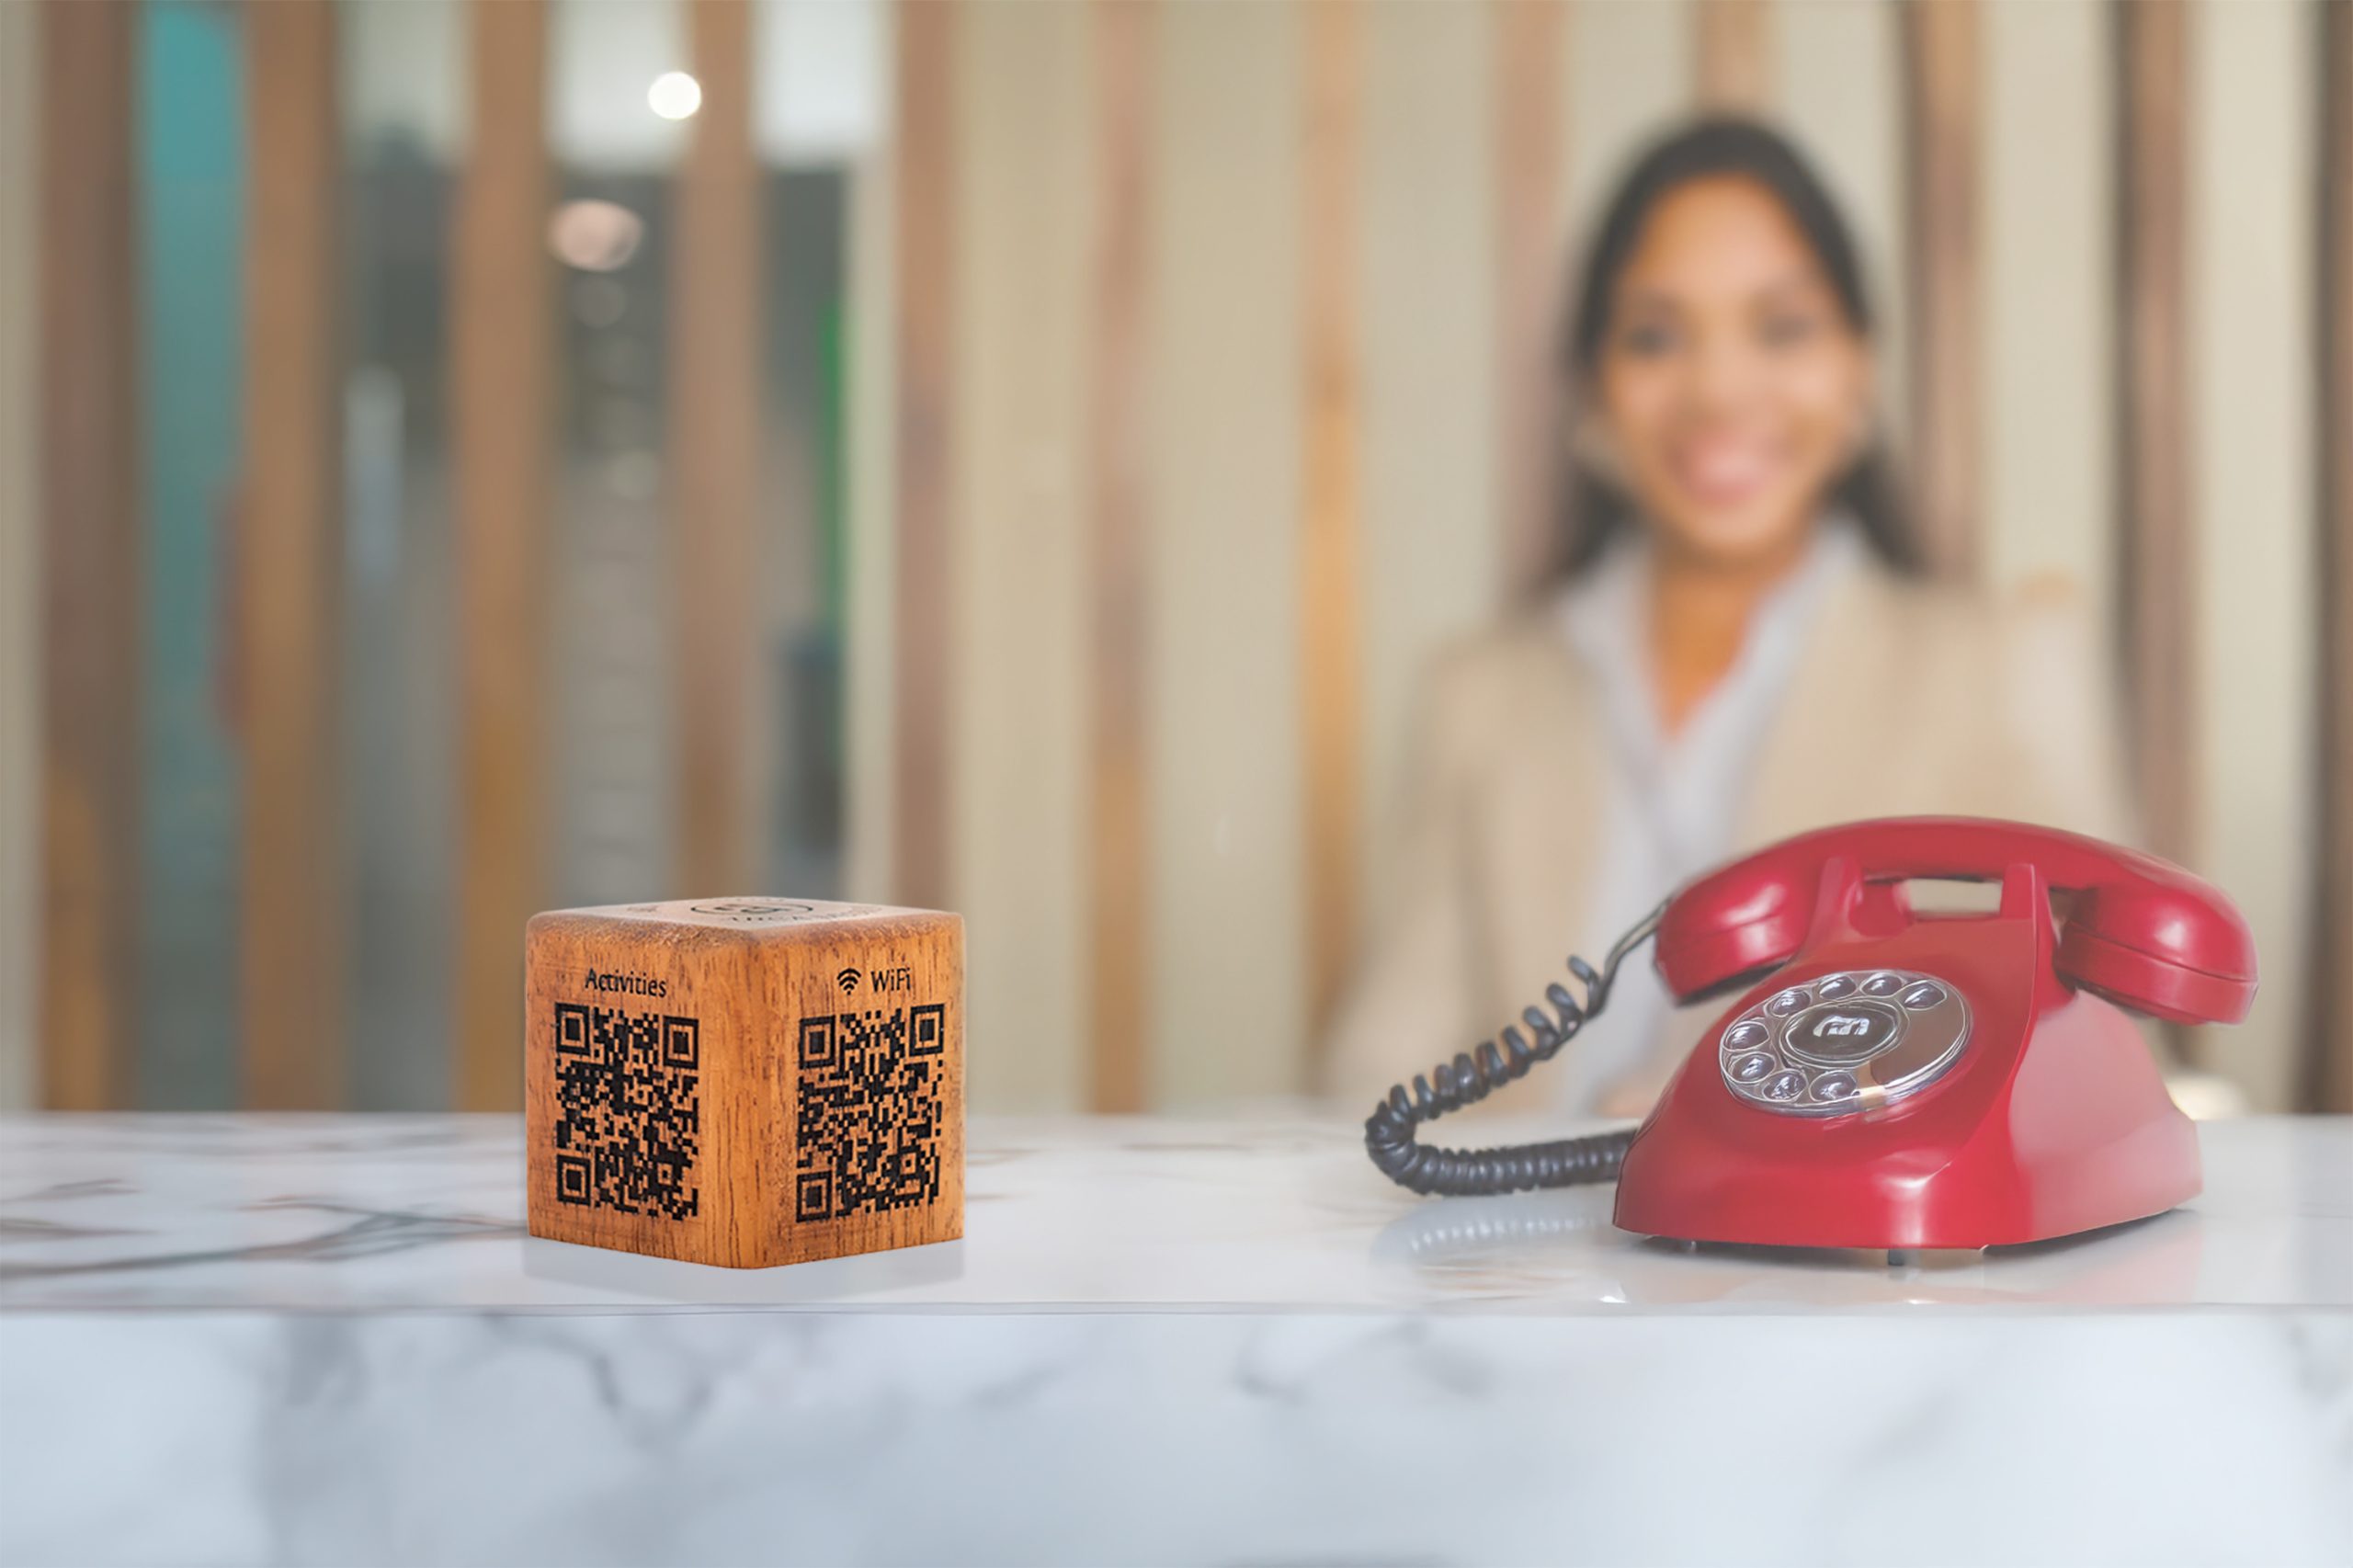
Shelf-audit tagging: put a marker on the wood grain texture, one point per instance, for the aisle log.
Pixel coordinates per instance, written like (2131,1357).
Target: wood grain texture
(21,746)
(870,710)
(502,399)
(1023,669)
(1225,340)
(86,370)
(2248,579)
(1432,450)
(714,461)
(1942,71)
(1119,841)
(1734,45)
(289,566)
(1528,145)
(2329,1067)
(2049,289)
(2153,481)
(924,186)
(1839,88)
(751,1013)
(1329,655)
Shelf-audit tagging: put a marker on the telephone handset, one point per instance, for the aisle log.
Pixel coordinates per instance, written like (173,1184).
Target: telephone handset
(1887,1079)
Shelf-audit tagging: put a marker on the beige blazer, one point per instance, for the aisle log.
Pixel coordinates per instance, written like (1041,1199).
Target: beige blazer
(1906,698)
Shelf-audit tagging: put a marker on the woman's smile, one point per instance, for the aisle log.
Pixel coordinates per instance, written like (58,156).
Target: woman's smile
(1724,470)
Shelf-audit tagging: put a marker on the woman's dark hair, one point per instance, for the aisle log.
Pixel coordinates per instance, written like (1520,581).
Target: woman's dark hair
(1592,510)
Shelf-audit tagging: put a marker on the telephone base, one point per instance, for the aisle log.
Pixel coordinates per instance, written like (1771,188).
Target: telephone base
(2071,1131)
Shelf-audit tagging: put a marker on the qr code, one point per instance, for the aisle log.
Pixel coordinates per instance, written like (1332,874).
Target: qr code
(629,1115)
(870,1111)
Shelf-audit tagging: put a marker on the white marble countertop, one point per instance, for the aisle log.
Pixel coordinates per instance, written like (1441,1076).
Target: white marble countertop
(344,1213)
(243,1340)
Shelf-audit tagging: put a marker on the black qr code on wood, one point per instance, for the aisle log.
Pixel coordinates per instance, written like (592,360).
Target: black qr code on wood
(629,1109)
(870,1111)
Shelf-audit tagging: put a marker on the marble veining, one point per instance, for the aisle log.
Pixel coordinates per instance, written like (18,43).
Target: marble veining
(326,1340)
(323,1212)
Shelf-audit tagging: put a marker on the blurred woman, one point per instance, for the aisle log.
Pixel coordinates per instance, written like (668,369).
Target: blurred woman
(1739,647)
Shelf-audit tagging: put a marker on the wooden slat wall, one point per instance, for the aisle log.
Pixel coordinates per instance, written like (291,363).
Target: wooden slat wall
(89,508)
(290,567)
(1022,666)
(1119,865)
(1223,345)
(1527,157)
(502,345)
(2154,487)
(924,259)
(1435,330)
(1630,71)
(1839,88)
(1735,55)
(2252,174)
(1548,93)
(1330,677)
(870,686)
(714,463)
(1228,124)
(2049,289)
(21,239)
(2329,1077)
(1940,57)
(2251,325)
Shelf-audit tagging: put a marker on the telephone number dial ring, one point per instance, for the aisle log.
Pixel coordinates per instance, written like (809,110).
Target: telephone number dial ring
(1842,1043)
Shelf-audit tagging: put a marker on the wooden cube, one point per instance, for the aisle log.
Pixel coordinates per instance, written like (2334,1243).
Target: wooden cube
(745,1081)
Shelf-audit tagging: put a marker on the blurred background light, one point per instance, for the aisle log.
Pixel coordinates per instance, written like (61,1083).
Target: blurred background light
(595,236)
(674,96)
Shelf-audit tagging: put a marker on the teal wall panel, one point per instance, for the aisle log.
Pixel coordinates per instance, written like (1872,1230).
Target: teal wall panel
(191,209)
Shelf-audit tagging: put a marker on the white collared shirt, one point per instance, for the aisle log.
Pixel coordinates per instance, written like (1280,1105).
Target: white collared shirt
(1672,803)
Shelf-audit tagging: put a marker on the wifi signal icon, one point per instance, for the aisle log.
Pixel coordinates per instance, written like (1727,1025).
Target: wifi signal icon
(847,979)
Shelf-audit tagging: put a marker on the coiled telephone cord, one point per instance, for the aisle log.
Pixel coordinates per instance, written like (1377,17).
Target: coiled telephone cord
(1471,1076)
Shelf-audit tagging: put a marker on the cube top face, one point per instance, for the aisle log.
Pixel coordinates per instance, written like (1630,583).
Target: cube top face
(744,1082)
(746,915)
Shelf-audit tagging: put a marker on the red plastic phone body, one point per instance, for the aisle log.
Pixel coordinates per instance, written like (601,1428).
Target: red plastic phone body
(2052,1119)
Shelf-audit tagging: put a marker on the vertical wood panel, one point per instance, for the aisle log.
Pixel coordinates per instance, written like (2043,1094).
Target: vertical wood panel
(1435,334)
(714,463)
(2049,287)
(1527,154)
(2153,492)
(1940,45)
(20,571)
(870,707)
(1629,73)
(502,343)
(1223,358)
(1839,87)
(1735,54)
(1329,690)
(1118,840)
(2250,553)
(2329,1070)
(90,435)
(290,567)
(924,260)
(1025,122)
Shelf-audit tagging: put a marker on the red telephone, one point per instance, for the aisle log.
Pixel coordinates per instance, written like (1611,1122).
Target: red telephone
(1887,1079)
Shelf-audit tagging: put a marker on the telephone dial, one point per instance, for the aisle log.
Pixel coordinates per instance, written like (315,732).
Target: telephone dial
(1886,1079)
